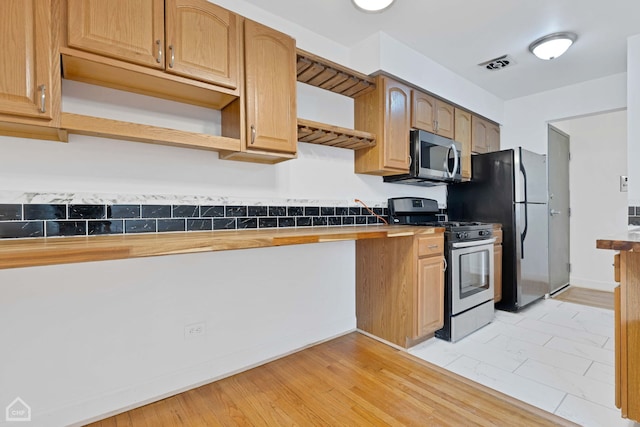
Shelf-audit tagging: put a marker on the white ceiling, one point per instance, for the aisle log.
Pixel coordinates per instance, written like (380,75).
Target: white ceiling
(459,34)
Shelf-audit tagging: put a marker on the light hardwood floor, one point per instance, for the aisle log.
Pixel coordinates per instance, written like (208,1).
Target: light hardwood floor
(352,380)
(586,296)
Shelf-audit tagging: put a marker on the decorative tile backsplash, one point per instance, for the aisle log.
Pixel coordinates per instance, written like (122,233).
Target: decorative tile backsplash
(59,219)
(634,215)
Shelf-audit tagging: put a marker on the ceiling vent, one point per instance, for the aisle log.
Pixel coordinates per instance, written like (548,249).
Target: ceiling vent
(498,63)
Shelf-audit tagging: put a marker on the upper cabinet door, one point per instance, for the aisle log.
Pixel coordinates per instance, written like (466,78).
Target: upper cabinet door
(423,111)
(396,125)
(463,136)
(202,42)
(25,73)
(270,67)
(479,135)
(444,119)
(130,30)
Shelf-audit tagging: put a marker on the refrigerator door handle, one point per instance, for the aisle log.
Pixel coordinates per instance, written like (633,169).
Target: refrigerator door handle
(523,235)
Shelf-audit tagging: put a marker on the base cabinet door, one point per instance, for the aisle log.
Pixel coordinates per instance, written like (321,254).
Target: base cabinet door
(26,71)
(429,289)
(497,273)
(270,64)
(617,319)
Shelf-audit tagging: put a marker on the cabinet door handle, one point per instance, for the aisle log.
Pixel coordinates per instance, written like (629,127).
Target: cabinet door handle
(433,246)
(435,126)
(172,56)
(159,44)
(253,134)
(444,262)
(43,98)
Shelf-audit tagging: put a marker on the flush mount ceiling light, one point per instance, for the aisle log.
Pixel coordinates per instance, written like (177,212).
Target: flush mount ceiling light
(553,45)
(372,6)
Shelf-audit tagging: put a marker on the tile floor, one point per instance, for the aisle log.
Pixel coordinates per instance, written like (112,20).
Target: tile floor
(555,355)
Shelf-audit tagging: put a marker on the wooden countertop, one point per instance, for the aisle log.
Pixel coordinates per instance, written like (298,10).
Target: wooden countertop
(64,250)
(624,242)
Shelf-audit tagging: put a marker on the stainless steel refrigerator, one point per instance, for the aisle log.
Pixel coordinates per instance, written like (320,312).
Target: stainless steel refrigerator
(510,187)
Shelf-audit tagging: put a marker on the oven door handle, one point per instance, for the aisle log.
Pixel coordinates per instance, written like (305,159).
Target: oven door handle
(473,243)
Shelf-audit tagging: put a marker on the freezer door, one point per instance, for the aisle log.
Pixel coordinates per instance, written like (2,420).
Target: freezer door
(530,176)
(532,252)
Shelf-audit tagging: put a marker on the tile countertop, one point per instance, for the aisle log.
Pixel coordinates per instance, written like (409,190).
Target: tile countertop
(16,253)
(629,241)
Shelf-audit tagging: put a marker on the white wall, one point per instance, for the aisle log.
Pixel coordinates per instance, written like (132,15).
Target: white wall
(382,52)
(81,340)
(633,126)
(598,208)
(526,118)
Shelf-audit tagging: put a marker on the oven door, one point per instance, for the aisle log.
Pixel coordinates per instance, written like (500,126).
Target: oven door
(471,274)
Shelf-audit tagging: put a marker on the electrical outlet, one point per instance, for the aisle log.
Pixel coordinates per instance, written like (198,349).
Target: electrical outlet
(624,184)
(194,330)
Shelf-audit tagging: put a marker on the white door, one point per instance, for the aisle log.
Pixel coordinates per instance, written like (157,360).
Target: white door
(558,158)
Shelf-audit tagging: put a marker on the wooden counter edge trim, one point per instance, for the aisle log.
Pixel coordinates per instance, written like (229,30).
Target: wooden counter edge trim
(617,245)
(67,250)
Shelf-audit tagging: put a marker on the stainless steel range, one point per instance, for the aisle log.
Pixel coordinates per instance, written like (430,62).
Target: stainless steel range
(469,258)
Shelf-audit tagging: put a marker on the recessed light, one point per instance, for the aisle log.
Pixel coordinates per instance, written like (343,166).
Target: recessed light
(552,45)
(372,6)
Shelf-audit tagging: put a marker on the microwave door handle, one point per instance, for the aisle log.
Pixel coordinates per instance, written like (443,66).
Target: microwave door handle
(456,161)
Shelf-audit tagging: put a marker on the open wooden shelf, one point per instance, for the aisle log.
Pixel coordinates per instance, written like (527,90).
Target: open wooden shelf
(325,74)
(334,136)
(103,71)
(96,126)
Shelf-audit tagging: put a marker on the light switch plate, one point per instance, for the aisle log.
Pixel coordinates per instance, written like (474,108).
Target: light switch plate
(624,182)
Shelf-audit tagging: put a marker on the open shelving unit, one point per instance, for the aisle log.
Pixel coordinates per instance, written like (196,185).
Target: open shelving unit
(324,74)
(334,136)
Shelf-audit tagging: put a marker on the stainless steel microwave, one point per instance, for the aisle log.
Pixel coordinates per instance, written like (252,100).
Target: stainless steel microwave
(435,160)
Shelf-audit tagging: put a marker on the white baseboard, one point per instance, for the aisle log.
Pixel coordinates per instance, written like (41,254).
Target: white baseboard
(578,282)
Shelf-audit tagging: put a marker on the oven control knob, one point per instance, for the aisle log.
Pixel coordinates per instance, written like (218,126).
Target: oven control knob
(465,234)
(459,235)
(481,233)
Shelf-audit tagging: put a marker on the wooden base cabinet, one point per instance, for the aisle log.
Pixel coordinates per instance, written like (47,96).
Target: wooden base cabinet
(627,336)
(400,287)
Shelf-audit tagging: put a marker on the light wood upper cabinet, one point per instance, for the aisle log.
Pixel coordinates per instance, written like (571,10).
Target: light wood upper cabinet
(463,136)
(130,30)
(191,38)
(202,41)
(270,73)
(431,114)
(386,113)
(493,137)
(485,136)
(26,74)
